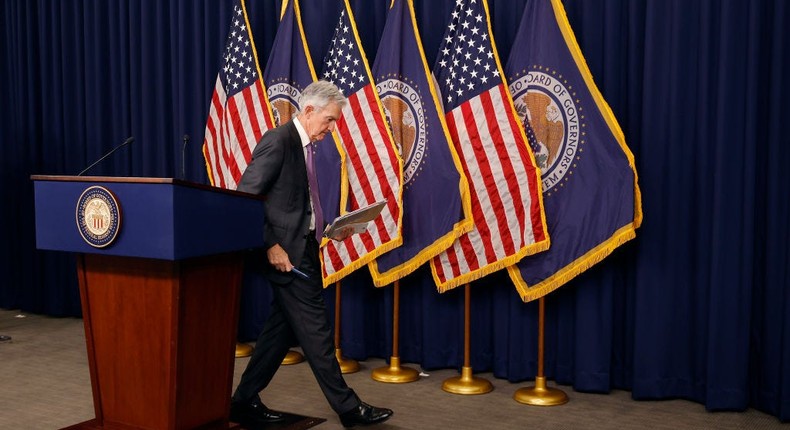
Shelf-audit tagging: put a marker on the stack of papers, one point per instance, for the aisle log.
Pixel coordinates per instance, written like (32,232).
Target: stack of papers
(357,220)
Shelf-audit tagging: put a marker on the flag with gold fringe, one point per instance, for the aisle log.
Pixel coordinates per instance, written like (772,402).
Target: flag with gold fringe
(590,190)
(436,206)
(504,181)
(288,72)
(289,69)
(239,112)
(371,166)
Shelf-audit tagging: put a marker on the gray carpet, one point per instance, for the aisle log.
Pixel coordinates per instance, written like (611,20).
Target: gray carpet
(45,385)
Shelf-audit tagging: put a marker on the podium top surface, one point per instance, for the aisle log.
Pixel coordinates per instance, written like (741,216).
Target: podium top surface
(139,180)
(161,218)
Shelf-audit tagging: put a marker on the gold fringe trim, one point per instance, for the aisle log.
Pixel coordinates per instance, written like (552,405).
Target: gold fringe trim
(208,166)
(427,253)
(575,268)
(365,259)
(282,9)
(603,107)
(490,268)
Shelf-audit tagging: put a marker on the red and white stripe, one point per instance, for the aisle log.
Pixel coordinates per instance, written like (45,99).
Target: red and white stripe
(233,128)
(373,173)
(503,184)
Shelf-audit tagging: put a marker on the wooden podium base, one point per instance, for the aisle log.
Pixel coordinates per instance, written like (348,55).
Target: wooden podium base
(161,340)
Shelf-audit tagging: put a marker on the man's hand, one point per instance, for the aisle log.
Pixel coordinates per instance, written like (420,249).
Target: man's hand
(342,234)
(279,258)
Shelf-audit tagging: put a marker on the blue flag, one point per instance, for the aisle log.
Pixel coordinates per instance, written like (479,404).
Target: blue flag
(590,190)
(436,206)
(288,72)
(289,69)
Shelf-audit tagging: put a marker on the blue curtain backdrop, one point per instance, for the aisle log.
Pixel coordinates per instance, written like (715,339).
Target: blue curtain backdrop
(696,307)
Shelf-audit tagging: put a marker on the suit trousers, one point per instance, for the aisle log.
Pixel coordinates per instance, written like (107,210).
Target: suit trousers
(298,316)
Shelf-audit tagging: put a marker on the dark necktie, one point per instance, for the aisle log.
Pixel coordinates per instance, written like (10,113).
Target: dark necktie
(313,182)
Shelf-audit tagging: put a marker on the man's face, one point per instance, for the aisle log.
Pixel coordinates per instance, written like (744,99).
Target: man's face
(320,121)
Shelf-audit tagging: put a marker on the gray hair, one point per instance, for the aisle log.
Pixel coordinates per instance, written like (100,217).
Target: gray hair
(319,94)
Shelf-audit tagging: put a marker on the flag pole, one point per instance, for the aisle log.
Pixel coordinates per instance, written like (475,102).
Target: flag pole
(467,383)
(540,394)
(394,373)
(347,365)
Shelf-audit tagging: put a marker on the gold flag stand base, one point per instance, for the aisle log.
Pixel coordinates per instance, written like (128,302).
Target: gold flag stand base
(394,373)
(293,357)
(243,350)
(540,394)
(467,383)
(347,365)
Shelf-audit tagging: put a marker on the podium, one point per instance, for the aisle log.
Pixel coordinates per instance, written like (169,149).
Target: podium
(160,298)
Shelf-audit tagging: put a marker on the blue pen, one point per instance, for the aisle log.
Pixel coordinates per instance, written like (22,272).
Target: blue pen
(299,273)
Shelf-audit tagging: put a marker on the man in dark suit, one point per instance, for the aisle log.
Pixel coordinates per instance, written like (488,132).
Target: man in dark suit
(279,171)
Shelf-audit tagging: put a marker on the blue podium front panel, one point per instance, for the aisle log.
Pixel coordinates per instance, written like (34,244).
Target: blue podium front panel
(158,218)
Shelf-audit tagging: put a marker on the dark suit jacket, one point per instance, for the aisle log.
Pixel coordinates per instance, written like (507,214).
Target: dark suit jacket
(277,171)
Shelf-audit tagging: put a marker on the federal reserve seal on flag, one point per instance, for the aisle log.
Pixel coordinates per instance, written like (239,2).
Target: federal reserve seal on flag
(98,216)
(552,123)
(284,99)
(404,111)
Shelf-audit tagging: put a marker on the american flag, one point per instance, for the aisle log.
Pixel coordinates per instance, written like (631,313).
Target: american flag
(372,167)
(239,113)
(505,185)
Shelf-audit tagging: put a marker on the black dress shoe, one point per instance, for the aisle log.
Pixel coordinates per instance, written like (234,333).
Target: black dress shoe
(365,415)
(253,412)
